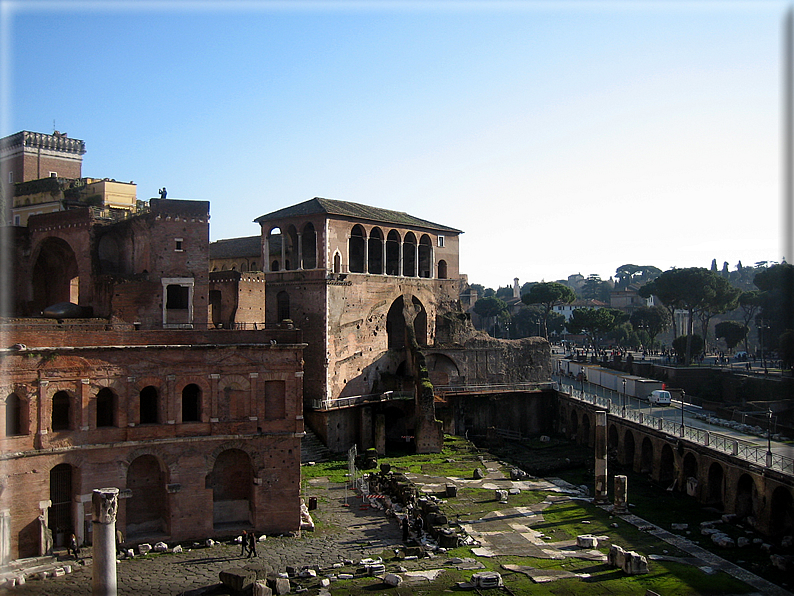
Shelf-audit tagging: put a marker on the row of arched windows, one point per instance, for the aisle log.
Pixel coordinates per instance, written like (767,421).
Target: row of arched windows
(373,252)
(63,417)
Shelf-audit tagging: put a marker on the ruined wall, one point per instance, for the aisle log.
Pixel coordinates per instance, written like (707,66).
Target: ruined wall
(528,413)
(248,413)
(237,299)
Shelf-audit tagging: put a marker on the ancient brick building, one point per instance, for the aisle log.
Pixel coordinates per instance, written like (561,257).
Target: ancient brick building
(376,293)
(132,385)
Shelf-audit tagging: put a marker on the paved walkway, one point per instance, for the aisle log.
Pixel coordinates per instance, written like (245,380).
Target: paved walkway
(356,534)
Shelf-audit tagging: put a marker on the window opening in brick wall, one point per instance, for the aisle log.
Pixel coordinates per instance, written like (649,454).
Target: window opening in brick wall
(148,405)
(191,403)
(105,408)
(441,242)
(178,244)
(282,304)
(177,297)
(13,415)
(61,405)
(60,512)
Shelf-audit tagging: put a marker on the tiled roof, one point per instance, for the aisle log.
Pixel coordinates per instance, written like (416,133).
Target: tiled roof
(355,211)
(250,246)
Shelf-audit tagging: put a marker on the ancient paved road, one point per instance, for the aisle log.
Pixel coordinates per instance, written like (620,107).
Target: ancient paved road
(357,534)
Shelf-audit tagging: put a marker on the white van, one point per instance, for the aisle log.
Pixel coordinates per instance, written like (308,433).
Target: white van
(659,397)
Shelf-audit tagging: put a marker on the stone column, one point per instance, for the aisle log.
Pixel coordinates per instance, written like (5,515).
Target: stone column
(105,504)
(5,536)
(600,458)
(621,495)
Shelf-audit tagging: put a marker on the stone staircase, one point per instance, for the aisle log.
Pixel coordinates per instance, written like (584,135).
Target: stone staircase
(312,448)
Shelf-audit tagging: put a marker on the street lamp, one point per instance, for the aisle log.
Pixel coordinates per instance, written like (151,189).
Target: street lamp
(683,395)
(769,438)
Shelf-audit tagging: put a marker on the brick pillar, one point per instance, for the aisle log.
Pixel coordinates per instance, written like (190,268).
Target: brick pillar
(214,378)
(365,424)
(380,434)
(169,400)
(600,458)
(132,401)
(253,413)
(83,399)
(45,410)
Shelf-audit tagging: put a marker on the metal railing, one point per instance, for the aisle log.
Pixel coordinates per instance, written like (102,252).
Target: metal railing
(490,388)
(354,400)
(712,440)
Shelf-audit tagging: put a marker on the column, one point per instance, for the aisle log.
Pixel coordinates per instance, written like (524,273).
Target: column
(5,536)
(600,458)
(383,256)
(299,264)
(400,271)
(621,495)
(105,503)
(45,534)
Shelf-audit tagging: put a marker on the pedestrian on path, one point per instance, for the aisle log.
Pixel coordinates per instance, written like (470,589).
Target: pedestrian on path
(73,547)
(244,544)
(251,544)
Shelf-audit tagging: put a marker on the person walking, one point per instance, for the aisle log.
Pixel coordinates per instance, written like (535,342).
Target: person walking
(73,547)
(244,544)
(251,544)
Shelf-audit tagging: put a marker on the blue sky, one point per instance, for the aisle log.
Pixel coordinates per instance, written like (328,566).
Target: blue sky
(560,137)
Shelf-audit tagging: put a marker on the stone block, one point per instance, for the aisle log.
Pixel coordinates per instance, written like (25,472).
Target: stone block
(587,541)
(478,474)
(616,556)
(279,585)
(486,579)
(160,547)
(392,579)
(635,564)
(451,490)
(144,548)
(261,589)
(237,579)
(501,495)
(178,549)
(325,582)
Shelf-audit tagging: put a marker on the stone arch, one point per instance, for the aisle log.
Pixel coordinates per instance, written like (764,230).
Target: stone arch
(356,249)
(746,497)
(667,465)
(191,403)
(309,247)
(442,369)
(442,269)
(147,508)
(716,481)
(396,329)
(628,449)
(106,404)
(337,262)
(375,251)
(425,256)
(59,516)
(690,468)
(290,252)
(62,411)
(56,276)
(646,456)
(612,441)
(409,255)
(781,513)
(272,248)
(231,481)
(393,242)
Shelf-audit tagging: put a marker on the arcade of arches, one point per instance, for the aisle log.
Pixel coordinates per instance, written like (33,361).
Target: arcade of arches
(709,477)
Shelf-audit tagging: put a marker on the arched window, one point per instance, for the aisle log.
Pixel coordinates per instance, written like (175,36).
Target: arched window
(357,249)
(61,411)
(13,415)
(442,269)
(409,255)
(105,408)
(375,251)
(191,403)
(309,246)
(273,244)
(148,405)
(393,253)
(282,304)
(291,260)
(337,263)
(425,256)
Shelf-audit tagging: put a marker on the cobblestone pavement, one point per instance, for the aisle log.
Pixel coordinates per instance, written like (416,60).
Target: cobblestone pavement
(342,533)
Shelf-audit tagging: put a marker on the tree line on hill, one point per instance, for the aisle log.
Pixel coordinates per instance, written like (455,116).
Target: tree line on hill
(762,295)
